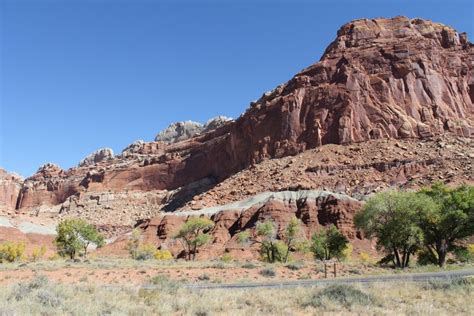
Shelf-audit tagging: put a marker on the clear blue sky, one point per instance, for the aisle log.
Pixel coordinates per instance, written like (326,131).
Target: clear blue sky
(88,74)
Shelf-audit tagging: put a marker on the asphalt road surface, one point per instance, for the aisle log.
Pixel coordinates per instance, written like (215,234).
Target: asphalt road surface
(408,277)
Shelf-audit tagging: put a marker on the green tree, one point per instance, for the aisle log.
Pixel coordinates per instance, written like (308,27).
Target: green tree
(192,235)
(90,235)
(329,243)
(449,219)
(392,217)
(271,249)
(74,236)
(292,232)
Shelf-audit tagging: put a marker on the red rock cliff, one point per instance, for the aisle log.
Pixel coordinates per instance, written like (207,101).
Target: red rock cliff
(381,78)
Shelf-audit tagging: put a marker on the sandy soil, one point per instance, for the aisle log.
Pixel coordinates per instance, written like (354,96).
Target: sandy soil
(212,272)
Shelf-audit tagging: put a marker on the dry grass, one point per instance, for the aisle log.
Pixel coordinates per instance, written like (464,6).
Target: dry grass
(128,272)
(39,296)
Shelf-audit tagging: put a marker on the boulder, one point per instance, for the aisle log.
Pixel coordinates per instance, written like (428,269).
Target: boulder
(179,131)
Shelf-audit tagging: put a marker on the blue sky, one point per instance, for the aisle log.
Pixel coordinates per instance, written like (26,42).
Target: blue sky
(88,74)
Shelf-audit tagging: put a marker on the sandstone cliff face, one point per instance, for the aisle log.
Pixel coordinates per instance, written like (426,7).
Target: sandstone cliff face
(384,78)
(10,186)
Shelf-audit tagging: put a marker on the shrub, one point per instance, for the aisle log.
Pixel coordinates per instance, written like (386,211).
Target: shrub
(149,296)
(470,249)
(163,255)
(271,249)
(204,277)
(366,258)
(295,266)
(347,252)
(268,272)
(38,253)
(145,252)
(303,246)
(47,298)
(133,243)
(54,257)
(343,294)
(249,265)
(426,257)
(218,265)
(23,289)
(465,254)
(226,257)
(11,252)
(163,283)
(457,283)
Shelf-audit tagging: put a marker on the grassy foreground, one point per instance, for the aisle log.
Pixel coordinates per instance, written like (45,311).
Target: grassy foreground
(40,296)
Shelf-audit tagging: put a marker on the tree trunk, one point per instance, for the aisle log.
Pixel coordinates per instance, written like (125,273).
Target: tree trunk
(403,259)
(273,252)
(397,257)
(441,258)
(287,251)
(85,249)
(407,259)
(442,250)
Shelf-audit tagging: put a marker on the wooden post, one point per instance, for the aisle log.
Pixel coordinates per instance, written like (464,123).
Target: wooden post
(335,273)
(325,271)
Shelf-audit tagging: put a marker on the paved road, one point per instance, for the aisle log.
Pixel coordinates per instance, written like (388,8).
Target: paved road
(409,277)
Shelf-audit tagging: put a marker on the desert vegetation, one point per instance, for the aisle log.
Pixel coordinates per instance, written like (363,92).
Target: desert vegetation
(329,243)
(41,296)
(192,235)
(74,236)
(432,223)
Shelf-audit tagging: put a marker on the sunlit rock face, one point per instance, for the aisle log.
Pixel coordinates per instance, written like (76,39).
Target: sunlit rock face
(380,79)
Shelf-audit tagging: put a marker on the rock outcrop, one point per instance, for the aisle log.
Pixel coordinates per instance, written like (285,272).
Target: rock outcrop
(180,131)
(215,123)
(10,186)
(97,156)
(314,208)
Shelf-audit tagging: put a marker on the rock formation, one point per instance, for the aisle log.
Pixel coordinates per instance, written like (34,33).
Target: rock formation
(10,186)
(314,208)
(180,131)
(390,103)
(215,123)
(97,156)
